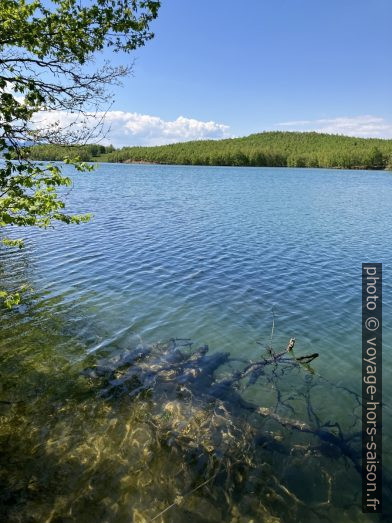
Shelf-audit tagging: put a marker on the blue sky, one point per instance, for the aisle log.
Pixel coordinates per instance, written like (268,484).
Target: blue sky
(251,66)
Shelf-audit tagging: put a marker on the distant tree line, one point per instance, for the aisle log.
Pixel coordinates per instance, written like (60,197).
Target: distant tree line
(268,149)
(84,153)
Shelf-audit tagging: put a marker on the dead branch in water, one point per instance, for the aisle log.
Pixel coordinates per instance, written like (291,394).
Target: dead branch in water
(256,367)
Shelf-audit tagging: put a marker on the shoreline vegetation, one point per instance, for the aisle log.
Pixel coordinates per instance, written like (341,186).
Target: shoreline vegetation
(267,149)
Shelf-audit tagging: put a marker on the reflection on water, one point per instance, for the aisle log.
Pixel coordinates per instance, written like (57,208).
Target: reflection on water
(102,421)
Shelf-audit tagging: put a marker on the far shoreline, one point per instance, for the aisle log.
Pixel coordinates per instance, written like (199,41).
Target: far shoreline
(267,149)
(140,162)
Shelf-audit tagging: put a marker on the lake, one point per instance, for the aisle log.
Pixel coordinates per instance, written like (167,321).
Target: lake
(228,257)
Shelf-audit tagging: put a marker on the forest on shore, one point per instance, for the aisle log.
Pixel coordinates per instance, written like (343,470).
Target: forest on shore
(267,149)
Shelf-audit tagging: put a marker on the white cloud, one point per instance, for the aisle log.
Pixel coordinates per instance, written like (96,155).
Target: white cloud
(125,128)
(361,126)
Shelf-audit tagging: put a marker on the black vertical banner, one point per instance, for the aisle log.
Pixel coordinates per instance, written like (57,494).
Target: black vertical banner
(371,388)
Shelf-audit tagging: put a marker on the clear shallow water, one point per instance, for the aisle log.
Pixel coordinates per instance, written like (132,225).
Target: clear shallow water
(200,253)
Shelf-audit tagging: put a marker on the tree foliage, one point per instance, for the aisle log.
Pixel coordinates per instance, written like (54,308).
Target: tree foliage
(47,51)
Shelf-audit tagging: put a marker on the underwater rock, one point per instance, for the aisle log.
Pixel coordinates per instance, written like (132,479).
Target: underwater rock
(207,420)
(107,367)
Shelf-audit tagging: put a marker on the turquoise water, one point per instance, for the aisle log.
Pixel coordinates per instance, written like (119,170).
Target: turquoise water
(212,254)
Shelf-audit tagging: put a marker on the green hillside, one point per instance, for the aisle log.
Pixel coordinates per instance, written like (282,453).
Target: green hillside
(272,149)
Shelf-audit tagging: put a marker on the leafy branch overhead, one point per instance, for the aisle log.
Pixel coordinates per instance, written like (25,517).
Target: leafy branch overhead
(47,51)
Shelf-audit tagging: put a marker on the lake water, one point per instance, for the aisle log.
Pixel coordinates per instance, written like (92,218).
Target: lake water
(216,255)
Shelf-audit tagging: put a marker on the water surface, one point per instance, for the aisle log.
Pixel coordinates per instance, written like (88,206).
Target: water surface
(212,254)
